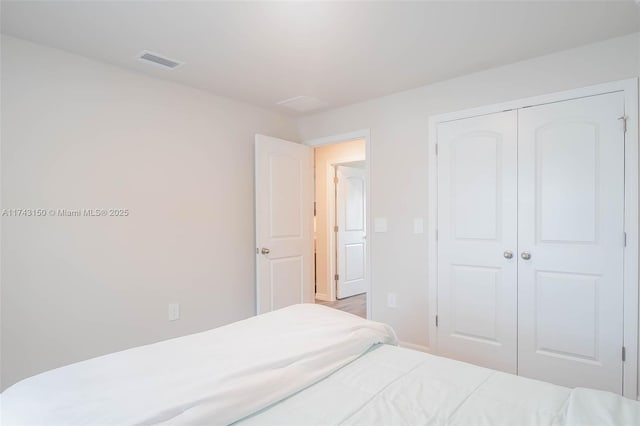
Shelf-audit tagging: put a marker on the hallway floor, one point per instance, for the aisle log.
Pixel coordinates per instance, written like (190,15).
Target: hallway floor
(356,305)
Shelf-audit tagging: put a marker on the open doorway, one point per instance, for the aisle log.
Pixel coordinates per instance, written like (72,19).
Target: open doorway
(340,226)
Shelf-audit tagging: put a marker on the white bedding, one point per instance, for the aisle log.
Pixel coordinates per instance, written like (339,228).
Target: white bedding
(397,386)
(302,365)
(214,377)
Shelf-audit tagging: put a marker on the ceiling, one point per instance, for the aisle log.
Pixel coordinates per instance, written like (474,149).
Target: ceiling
(337,52)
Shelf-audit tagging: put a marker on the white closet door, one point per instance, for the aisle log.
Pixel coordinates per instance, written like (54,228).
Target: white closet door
(571,210)
(477,213)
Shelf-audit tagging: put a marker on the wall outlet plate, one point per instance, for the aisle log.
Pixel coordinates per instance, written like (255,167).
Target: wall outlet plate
(392,301)
(418,225)
(174,311)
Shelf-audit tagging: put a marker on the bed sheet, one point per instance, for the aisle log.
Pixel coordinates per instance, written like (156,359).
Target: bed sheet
(396,386)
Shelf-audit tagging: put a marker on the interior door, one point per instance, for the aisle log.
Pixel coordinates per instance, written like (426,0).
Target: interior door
(284,223)
(571,220)
(477,264)
(351,235)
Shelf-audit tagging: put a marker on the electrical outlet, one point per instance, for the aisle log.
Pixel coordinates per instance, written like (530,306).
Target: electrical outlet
(392,301)
(174,311)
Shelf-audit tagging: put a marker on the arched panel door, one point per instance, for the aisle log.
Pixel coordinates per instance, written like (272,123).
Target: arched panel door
(571,242)
(477,241)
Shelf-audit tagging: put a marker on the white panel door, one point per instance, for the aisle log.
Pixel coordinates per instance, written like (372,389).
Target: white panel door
(284,223)
(571,212)
(477,265)
(351,235)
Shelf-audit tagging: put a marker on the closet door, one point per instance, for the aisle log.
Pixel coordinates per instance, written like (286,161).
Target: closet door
(477,212)
(570,248)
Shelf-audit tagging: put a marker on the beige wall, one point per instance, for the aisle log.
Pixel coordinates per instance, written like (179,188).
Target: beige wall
(399,137)
(325,156)
(80,134)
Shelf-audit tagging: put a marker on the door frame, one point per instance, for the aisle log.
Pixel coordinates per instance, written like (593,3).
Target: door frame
(349,137)
(631,301)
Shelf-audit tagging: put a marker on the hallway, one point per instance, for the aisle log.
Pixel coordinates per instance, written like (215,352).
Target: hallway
(356,305)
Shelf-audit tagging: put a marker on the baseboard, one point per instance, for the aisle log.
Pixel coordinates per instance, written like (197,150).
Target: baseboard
(414,347)
(323,297)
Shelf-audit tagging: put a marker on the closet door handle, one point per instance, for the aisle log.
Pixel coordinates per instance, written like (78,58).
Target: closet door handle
(508,254)
(525,255)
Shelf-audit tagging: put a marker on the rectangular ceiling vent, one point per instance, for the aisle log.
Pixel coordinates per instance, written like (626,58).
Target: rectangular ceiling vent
(158,60)
(302,103)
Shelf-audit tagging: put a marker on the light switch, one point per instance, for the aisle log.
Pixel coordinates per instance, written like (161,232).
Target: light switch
(418,225)
(380,224)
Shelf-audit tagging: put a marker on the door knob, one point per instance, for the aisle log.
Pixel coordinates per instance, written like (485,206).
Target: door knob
(508,254)
(525,255)
(265,250)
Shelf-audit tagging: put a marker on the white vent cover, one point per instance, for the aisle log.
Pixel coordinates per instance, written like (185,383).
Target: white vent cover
(158,60)
(302,103)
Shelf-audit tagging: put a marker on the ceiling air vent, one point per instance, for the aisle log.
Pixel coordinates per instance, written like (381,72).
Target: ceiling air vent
(302,103)
(158,60)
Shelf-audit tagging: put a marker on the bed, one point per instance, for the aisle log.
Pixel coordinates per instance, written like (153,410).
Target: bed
(301,365)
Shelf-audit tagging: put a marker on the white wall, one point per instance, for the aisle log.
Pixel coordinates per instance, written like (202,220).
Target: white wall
(399,137)
(81,134)
(325,156)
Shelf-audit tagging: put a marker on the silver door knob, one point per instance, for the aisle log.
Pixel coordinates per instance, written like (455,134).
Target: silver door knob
(265,250)
(508,254)
(525,255)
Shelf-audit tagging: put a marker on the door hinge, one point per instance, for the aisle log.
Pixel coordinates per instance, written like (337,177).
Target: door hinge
(336,277)
(624,354)
(436,149)
(624,123)
(335,179)
(335,228)
(436,235)
(625,239)
(436,320)
(314,208)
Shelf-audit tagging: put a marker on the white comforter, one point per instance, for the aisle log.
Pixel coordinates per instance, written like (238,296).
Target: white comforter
(214,377)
